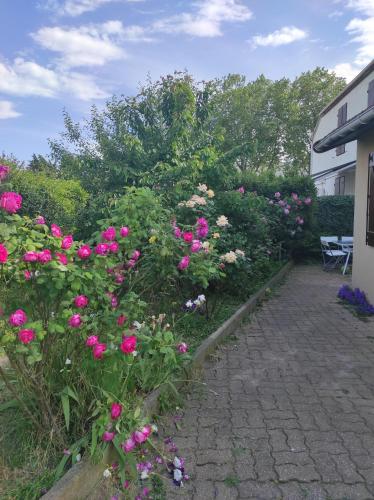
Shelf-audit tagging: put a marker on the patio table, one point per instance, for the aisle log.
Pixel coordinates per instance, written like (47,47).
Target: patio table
(346,245)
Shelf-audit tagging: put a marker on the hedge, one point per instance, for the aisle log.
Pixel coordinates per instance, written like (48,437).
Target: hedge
(334,215)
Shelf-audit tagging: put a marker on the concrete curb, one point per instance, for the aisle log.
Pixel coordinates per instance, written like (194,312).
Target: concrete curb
(77,483)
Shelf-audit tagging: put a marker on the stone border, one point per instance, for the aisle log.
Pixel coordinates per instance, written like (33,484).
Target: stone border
(77,483)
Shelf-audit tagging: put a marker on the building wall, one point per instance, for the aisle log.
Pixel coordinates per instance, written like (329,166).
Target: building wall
(326,185)
(323,161)
(363,257)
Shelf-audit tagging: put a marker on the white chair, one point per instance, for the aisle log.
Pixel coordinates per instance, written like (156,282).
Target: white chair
(331,257)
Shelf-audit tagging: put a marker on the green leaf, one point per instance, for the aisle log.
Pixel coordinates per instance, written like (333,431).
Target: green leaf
(66,408)
(70,392)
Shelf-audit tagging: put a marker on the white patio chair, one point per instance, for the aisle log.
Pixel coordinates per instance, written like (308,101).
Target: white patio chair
(331,257)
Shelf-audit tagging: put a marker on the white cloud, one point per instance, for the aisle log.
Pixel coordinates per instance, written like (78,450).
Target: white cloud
(27,78)
(335,13)
(7,110)
(92,45)
(283,36)
(207,18)
(362,32)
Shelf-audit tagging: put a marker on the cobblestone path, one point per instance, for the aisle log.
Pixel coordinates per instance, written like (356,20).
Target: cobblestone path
(288,411)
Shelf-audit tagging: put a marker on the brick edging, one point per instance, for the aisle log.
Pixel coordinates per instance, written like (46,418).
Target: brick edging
(77,482)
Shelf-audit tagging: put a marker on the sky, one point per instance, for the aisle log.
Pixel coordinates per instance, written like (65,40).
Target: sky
(71,54)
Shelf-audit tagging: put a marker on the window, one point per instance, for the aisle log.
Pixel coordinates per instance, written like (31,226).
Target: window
(340,185)
(370,205)
(342,118)
(371,94)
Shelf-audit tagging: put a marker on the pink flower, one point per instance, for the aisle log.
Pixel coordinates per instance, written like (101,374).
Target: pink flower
(92,340)
(102,249)
(308,200)
(108,436)
(187,236)
(26,336)
(40,220)
(184,263)
(286,211)
(124,231)
(18,318)
(11,202)
(114,247)
(56,231)
(277,195)
(196,246)
(119,279)
(115,411)
(62,258)
(109,234)
(139,437)
(131,263)
(128,445)
(98,350)
(135,255)
(202,227)
(30,256)
(44,256)
(128,345)
(294,196)
(299,220)
(84,252)
(4,171)
(241,190)
(3,254)
(81,301)
(121,320)
(177,232)
(147,430)
(27,275)
(75,321)
(67,242)
(182,347)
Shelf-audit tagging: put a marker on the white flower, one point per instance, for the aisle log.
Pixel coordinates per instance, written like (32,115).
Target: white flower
(177,463)
(229,257)
(189,304)
(222,221)
(205,245)
(78,457)
(240,253)
(107,473)
(154,428)
(137,325)
(144,475)
(200,300)
(135,353)
(203,188)
(178,475)
(198,200)
(182,204)
(68,361)
(190,204)
(210,193)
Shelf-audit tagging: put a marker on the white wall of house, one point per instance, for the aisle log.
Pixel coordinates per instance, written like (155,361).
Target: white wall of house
(363,257)
(326,185)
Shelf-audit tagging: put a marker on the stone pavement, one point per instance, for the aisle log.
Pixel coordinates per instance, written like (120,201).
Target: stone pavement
(288,409)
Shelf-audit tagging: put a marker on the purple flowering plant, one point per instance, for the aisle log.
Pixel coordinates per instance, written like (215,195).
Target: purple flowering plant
(356,300)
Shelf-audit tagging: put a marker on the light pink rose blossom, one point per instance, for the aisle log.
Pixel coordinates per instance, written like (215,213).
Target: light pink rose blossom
(18,318)
(182,347)
(56,231)
(241,190)
(135,255)
(124,231)
(139,437)
(128,445)
(177,232)
(277,195)
(11,202)
(40,220)
(196,246)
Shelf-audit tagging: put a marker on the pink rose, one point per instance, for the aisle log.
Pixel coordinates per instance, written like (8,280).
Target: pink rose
(98,350)
(30,257)
(182,347)
(184,263)
(84,252)
(115,411)
(92,340)
(56,231)
(131,263)
(294,196)
(299,220)
(4,171)
(135,255)
(114,247)
(26,336)
(27,275)
(277,195)
(81,301)
(102,249)
(187,236)
(202,227)
(147,430)
(286,211)
(40,220)
(139,437)
(241,190)
(121,320)
(177,232)
(62,258)
(128,345)
(196,246)
(308,200)
(44,256)
(114,301)
(119,279)
(124,231)
(75,321)
(128,445)
(11,202)
(3,254)
(67,242)
(108,436)
(109,234)
(18,318)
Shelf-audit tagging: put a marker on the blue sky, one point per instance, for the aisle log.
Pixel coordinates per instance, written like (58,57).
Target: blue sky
(57,54)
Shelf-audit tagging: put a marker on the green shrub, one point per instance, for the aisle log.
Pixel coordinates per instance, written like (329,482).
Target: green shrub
(58,200)
(335,215)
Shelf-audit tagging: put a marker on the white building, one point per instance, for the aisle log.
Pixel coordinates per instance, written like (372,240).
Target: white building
(334,171)
(359,96)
